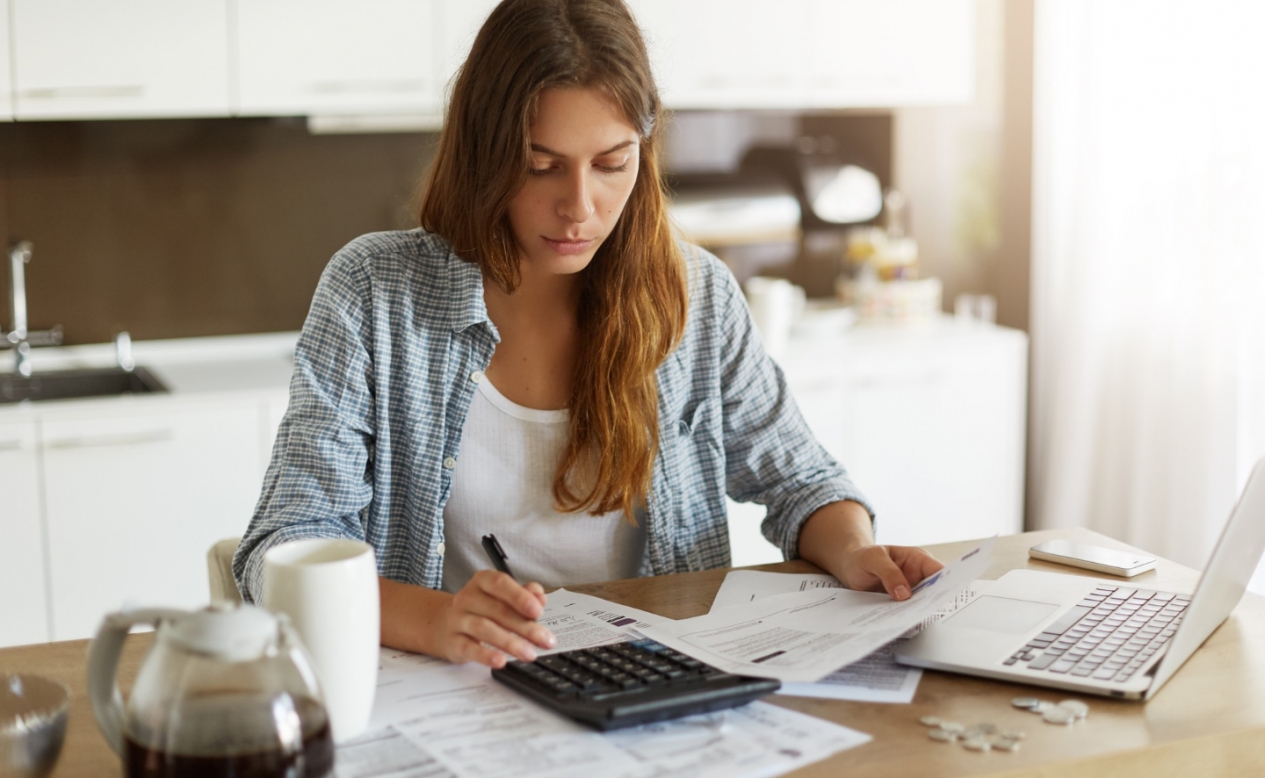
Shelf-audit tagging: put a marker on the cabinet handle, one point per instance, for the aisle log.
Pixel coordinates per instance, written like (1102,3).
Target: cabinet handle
(369,86)
(82,92)
(10,445)
(137,439)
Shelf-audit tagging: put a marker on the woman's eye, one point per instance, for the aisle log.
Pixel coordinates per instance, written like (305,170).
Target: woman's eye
(539,171)
(613,168)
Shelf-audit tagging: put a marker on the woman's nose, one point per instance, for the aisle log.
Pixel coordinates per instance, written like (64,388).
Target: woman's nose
(576,203)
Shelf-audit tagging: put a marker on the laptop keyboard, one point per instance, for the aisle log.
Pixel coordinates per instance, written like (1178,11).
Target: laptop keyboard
(1108,636)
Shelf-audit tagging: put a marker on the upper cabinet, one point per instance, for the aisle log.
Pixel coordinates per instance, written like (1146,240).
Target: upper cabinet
(337,57)
(6,96)
(810,53)
(105,59)
(116,59)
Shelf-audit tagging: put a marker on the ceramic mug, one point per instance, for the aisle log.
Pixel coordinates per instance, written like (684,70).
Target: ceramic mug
(775,304)
(329,589)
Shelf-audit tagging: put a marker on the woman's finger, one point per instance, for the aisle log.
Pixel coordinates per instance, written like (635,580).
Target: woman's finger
(878,562)
(487,631)
(509,619)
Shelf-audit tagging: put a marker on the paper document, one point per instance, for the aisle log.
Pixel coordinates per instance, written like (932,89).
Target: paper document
(805,635)
(583,621)
(432,719)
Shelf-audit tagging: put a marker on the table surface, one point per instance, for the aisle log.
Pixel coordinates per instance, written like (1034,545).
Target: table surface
(1208,720)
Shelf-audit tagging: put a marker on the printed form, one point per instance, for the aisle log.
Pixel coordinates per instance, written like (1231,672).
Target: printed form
(875,678)
(804,636)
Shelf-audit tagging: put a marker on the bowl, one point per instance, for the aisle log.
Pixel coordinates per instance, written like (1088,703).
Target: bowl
(33,714)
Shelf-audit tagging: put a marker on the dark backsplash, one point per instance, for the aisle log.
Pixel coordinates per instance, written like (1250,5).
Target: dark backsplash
(183,228)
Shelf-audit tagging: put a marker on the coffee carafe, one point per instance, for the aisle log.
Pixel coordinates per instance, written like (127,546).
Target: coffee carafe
(224,691)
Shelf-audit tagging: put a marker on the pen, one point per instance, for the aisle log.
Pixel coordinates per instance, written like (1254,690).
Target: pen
(497,555)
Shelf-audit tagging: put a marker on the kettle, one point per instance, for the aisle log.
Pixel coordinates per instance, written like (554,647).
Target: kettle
(224,691)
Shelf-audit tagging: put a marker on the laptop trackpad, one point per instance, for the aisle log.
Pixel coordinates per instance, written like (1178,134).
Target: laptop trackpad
(1001,614)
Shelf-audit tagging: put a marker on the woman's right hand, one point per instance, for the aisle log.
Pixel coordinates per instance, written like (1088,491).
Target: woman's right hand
(491,616)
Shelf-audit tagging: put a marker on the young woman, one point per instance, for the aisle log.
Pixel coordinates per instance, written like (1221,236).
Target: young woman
(544,361)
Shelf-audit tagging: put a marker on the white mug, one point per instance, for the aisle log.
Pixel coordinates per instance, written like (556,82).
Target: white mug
(329,589)
(775,303)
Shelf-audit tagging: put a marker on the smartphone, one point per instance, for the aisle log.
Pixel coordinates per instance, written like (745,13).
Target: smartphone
(1096,558)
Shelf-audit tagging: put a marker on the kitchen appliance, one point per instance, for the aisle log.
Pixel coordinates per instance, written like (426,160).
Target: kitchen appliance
(224,691)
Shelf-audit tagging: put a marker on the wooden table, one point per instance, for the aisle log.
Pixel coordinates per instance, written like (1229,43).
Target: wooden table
(1209,720)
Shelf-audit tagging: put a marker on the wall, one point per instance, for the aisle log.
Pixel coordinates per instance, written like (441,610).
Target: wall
(181,228)
(967,170)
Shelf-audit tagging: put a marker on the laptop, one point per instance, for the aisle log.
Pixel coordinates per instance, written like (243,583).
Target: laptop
(1114,638)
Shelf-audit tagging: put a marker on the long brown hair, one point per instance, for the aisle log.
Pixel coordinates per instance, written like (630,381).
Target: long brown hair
(632,307)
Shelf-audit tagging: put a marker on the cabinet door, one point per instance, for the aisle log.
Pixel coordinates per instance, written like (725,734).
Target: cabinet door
(24,614)
(936,440)
(720,54)
(136,495)
(460,22)
(336,56)
(106,59)
(6,82)
(888,53)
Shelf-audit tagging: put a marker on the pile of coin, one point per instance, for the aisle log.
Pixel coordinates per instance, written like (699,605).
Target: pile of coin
(987,737)
(1065,713)
(981,737)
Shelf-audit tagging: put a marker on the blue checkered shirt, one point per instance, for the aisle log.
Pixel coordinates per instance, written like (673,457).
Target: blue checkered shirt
(383,379)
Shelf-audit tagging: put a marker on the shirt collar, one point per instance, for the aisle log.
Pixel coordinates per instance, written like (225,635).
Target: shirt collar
(466,307)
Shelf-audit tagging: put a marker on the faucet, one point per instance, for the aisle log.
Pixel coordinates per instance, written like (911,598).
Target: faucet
(19,338)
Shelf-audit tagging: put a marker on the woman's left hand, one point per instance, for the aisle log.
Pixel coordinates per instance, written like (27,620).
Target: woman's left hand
(893,569)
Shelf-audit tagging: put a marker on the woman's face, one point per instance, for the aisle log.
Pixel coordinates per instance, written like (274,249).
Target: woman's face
(584,159)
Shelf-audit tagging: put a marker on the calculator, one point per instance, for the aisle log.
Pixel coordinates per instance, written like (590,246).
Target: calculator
(626,684)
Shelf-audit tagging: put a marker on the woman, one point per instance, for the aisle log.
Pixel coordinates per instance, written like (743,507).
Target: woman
(543,361)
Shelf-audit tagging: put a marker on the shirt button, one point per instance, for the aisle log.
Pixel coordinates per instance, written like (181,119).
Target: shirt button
(440,549)
(449,463)
(476,376)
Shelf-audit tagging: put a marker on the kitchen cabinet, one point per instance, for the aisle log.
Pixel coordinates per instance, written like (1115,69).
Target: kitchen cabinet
(24,614)
(796,54)
(894,52)
(114,59)
(6,82)
(337,57)
(460,22)
(929,420)
(136,491)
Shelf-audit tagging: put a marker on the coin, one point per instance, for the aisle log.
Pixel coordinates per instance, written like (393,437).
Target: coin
(1059,715)
(1076,706)
(1014,734)
(952,726)
(1025,702)
(976,744)
(987,728)
(944,736)
(931,721)
(1042,706)
(1004,744)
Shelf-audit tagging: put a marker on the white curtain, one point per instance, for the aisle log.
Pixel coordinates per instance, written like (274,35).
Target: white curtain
(1148,283)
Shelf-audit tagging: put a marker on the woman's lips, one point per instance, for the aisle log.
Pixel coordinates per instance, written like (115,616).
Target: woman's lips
(569,246)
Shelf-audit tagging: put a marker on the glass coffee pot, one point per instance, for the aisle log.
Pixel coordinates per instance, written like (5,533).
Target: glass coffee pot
(224,691)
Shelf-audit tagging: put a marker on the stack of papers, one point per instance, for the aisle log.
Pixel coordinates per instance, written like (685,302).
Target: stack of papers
(432,719)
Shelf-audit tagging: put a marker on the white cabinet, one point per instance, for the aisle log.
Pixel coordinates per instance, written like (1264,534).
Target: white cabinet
(810,53)
(6,82)
(108,59)
(337,57)
(893,52)
(24,612)
(460,22)
(930,422)
(134,498)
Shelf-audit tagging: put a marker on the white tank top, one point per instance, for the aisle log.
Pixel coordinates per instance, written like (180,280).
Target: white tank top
(503,484)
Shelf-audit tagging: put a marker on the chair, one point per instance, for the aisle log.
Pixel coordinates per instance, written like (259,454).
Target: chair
(219,569)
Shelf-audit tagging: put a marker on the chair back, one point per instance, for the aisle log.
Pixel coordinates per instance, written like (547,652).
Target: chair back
(219,569)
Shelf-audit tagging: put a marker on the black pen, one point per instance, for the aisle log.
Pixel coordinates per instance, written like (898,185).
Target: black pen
(497,555)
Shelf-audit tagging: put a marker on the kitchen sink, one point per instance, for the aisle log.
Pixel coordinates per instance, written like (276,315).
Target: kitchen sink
(71,384)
